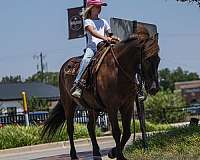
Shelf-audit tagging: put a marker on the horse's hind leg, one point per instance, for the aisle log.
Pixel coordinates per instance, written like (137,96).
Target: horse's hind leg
(70,131)
(91,130)
(70,107)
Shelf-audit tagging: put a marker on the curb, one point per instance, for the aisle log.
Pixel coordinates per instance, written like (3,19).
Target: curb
(62,144)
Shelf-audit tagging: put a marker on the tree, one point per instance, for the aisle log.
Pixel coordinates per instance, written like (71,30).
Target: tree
(191,1)
(52,78)
(11,79)
(165,79)
(49,78)
(168,78)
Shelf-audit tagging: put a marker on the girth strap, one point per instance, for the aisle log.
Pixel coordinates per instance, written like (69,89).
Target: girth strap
(101,59)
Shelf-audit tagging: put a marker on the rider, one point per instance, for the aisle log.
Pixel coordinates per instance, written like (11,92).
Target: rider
(96,30)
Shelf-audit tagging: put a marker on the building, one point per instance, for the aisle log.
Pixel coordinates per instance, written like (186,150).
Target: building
(190,90)
(11,98)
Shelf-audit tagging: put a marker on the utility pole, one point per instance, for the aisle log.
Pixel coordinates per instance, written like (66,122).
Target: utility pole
(42,67)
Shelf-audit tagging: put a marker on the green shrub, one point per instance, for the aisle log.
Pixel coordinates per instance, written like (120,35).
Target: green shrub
(18,136)
(165,107)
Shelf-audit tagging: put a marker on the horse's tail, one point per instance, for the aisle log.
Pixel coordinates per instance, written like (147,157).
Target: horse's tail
(55,121)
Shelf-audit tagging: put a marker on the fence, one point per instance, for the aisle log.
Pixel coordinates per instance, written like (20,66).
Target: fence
(34,118)
(81,116)
(172,114)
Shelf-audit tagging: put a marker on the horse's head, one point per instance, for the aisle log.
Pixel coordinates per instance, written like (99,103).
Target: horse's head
(149,59)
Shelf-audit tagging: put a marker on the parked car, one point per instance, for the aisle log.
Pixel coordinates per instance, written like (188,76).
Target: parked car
(193,108)
(38,117)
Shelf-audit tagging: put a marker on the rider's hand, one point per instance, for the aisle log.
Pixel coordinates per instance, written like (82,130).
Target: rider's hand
(116,38)
(108,39)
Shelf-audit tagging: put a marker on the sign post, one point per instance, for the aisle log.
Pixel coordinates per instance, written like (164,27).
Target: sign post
(84,3)
(24,99)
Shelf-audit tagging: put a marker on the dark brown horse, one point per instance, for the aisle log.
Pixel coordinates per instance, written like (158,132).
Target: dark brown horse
(114,90)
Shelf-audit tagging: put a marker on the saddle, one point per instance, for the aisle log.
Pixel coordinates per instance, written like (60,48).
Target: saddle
(95,63)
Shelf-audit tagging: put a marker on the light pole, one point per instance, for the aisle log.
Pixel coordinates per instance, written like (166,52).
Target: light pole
(24,99)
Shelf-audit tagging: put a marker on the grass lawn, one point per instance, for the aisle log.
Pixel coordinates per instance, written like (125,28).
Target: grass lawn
(176,144)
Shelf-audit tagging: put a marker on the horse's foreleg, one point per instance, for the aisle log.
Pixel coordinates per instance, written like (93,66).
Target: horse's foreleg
(70,131)
(116,135)
(91,130)
(126,124)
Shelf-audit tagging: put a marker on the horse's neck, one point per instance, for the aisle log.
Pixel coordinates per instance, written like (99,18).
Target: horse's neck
(129,58)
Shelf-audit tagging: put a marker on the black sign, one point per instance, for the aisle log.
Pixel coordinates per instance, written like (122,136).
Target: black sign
(123,28)
(75,23)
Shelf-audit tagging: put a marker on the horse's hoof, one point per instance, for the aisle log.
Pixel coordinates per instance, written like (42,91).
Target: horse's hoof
(74,158)
(97,158)
(121,158)
(110,155)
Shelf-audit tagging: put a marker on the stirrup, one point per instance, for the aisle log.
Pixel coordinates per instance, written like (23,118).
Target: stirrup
(77,92)
(141,98)
(73,87)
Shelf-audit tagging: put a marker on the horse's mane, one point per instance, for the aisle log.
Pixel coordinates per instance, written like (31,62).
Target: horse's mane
(141,38)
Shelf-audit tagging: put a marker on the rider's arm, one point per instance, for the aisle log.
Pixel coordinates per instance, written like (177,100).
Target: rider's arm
(94,33)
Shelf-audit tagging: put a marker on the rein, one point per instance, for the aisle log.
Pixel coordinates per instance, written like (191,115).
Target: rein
(131,79)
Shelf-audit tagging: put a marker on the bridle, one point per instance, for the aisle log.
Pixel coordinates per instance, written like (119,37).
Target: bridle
(127,75)
(151,49)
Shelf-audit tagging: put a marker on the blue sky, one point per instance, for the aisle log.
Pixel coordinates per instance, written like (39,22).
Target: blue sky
(28,27)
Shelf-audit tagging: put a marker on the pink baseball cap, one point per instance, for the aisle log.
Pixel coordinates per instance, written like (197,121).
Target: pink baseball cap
(96,2)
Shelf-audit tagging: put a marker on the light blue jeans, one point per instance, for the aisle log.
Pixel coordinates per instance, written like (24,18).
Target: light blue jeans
(89,53)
